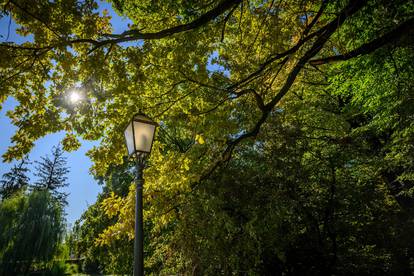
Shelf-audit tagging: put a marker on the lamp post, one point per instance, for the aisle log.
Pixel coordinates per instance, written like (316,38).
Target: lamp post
(139,135)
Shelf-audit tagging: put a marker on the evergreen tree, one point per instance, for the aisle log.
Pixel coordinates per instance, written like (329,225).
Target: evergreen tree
(51,173)
(14,180)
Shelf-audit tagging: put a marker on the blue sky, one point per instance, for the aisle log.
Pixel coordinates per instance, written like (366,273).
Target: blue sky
(82,188)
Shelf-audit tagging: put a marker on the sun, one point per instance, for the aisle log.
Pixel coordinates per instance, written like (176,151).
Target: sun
(74,97)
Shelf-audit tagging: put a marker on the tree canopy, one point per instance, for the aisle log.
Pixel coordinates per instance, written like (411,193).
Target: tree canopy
(286,127)
(216,69)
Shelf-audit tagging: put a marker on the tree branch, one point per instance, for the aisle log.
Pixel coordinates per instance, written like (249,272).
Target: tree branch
(202,20)
(367,48)
(23,9)
(225,22)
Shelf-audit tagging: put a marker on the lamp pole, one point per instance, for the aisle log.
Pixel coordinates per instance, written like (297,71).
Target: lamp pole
(139,136)
(139,225)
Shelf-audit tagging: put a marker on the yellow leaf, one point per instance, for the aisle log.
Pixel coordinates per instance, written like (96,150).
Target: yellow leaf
(186,164)
(199,139)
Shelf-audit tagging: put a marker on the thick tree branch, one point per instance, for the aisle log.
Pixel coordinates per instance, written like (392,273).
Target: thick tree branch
(367,48)
(132,35)
(316,18)
(225,22)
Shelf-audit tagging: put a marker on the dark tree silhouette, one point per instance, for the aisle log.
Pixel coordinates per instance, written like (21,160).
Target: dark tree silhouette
(51,174)
(15,180)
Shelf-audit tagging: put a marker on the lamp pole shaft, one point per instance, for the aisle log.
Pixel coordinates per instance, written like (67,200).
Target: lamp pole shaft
(139,225)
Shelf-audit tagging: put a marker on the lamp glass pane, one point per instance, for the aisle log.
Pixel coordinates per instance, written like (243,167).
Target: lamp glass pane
(129,138)
(144,133)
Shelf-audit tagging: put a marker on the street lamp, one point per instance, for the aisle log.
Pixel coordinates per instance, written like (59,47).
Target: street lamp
(139,135)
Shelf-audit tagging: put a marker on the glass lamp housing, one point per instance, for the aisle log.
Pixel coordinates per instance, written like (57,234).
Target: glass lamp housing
(139,134)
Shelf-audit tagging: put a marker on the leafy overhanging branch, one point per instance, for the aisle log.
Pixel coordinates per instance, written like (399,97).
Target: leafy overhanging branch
(133,35)
(221,8)
(130,35)
(26,11)
(402,30)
